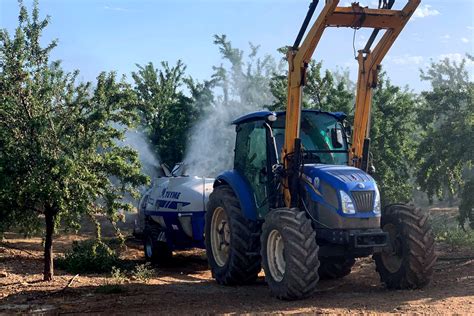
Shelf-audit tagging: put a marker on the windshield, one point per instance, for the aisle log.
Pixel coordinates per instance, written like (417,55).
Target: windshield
(319,137)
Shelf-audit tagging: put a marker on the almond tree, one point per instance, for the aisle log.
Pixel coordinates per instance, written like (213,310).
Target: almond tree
(59,158)
(446,152)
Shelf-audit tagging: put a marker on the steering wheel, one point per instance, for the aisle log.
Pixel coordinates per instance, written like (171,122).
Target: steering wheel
(308,155)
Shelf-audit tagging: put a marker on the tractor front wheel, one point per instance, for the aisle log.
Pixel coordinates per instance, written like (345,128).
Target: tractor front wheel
(290,254)
(407,262)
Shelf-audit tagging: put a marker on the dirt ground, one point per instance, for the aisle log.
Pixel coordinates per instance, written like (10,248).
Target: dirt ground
(188,288)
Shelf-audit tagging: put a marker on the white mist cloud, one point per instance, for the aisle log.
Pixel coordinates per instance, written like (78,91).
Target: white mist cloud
(424,11)
(137,140)
(464,40)
(211,145)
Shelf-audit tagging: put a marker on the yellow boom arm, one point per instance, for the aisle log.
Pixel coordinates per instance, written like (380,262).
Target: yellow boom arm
(355,16)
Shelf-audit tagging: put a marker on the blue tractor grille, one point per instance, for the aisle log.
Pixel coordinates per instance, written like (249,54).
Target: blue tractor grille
(364,200)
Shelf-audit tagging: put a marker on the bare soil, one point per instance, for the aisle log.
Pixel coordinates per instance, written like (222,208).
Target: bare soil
(187,287)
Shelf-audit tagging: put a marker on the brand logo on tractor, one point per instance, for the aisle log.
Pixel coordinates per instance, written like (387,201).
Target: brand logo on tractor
(316,182)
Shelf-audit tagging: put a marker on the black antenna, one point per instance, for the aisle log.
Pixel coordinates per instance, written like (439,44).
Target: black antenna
(303,28)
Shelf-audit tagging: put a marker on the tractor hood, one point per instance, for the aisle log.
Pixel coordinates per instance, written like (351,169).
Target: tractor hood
(324,183)
(339,177)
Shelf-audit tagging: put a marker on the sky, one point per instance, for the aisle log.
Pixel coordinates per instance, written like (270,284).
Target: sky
(104,35)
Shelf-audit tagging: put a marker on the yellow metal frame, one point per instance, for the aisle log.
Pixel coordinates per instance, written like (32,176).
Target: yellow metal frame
(355,16)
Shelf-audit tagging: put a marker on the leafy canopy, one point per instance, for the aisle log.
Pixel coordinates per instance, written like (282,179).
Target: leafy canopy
(167,112)
(325,91)
(59,155)
(447,118)
(393,135)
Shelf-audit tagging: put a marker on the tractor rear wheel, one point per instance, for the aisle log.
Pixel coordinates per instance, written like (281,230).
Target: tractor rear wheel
(232,241)
(290,254)
(407,262)
(335,268)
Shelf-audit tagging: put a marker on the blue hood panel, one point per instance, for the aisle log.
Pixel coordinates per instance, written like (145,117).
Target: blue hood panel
(339,177)
(349,175)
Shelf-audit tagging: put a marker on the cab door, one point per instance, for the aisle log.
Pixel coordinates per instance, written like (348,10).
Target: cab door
(252,162)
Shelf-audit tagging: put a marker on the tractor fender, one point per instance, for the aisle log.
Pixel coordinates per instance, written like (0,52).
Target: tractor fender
(242,190)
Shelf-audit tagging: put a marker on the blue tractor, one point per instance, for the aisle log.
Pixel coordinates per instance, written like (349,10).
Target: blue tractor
(337,218)
(300,201)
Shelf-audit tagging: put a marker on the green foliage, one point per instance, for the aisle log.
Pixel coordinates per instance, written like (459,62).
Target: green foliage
(328,92)
(393,136)
(447,230)
(447,119)
(167,112)
(245,82)
(456,238)
(118,276)
(89,256)
(59,155)
(143,272)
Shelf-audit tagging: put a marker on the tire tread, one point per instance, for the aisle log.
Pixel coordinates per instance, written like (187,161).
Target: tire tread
(419,257)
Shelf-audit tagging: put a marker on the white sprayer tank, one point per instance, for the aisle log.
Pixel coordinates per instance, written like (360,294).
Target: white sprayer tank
(177,205)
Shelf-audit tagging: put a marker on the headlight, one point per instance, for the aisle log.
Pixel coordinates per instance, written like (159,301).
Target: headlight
(377,207)
(347,204)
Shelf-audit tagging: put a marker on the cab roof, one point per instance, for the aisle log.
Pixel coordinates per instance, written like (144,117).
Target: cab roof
(261,115)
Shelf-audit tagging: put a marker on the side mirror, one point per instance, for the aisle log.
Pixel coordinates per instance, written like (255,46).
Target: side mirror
(348,130)
(337,138)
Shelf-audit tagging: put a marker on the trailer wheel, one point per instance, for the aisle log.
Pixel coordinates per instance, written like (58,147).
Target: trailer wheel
(155,251)
(290,254)
(407,262)
(232,241)
(335,268)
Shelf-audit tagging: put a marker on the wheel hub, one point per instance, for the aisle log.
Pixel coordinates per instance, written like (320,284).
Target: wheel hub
(392,255)
(275,255)
(220,236)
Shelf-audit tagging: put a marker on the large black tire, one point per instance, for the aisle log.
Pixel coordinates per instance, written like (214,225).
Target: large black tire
(288,234)
(241,264)
(335,268)
(407,263)
(156,251)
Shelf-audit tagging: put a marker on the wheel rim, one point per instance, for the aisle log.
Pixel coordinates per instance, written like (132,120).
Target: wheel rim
(392,254)
(220,236)
(275,255)
(149,247)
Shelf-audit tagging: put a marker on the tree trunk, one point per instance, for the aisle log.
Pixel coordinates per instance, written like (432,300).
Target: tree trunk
(48,245)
